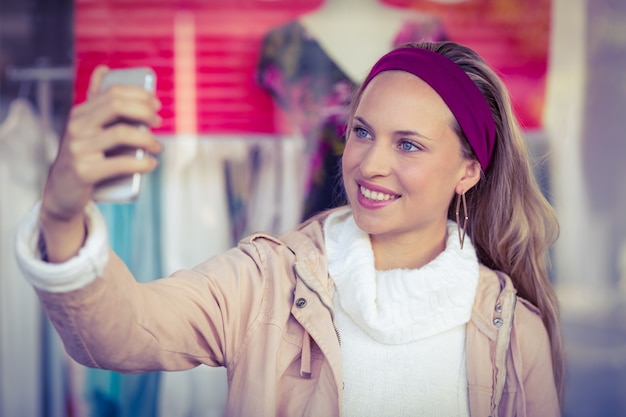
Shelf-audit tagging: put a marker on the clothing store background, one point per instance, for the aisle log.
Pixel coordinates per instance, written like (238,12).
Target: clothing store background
(234,141)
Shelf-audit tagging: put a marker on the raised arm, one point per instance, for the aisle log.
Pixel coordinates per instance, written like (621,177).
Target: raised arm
(81,161)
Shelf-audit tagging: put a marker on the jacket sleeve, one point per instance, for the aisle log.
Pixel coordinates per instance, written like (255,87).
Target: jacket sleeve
(533,364)
(195,316)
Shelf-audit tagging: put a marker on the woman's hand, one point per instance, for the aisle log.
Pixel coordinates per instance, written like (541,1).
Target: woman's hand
(81,162)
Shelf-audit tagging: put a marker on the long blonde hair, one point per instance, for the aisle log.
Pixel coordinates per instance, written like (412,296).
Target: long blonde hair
(511,224)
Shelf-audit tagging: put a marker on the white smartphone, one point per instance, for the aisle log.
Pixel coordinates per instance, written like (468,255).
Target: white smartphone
(126,188)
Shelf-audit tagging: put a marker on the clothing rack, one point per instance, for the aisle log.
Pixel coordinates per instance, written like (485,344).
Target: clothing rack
(44,76)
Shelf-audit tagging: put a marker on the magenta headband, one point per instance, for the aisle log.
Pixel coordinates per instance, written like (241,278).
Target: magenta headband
(457,90)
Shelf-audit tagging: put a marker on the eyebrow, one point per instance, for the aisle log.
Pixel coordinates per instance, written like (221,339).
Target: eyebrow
(398,132)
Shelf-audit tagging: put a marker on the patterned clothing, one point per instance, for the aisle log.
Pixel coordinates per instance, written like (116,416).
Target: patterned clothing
(304,80)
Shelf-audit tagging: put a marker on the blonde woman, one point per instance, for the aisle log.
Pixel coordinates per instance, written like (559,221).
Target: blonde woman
(426,295)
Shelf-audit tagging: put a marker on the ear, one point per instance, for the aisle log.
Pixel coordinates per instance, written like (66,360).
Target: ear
(470,175)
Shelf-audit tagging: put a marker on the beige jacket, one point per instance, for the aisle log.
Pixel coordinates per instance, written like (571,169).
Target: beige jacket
(264,311)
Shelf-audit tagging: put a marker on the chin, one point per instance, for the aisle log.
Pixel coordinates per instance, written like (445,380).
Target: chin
(369,226)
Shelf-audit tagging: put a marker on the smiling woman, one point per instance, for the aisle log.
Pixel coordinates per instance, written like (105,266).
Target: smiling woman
(402,145)
(458,143)
(458,326)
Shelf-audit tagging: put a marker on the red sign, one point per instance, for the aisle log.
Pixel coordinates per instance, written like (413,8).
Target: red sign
(214,44)
(205,52)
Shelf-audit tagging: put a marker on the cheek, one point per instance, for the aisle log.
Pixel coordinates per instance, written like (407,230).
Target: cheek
(349,159)
(349,163)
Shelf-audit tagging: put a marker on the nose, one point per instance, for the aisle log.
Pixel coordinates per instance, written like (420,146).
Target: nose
(377,160)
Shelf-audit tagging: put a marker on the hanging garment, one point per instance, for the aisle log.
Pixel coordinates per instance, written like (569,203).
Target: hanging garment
(25,155)
(196,224)
(263,185)
(196,221)
(305,81)
(274,205)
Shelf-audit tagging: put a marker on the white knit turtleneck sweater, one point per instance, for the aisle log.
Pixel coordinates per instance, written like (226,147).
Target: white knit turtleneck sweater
(402,331)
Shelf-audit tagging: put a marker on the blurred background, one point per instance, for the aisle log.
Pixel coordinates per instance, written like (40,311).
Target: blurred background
(254,93)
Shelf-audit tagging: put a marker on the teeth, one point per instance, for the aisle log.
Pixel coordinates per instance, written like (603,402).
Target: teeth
(375,195)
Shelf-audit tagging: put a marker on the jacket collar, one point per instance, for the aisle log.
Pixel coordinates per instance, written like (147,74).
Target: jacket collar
(494,292)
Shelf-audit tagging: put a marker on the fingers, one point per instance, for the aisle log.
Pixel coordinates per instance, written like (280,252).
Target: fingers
(119,102)
(92,171)
(92,158)
(120,134)
(132,103)
(93,127)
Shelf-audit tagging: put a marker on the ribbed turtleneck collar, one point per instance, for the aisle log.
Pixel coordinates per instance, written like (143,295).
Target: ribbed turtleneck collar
(400,305)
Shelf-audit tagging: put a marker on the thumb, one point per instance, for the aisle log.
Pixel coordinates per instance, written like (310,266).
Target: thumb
(96,79)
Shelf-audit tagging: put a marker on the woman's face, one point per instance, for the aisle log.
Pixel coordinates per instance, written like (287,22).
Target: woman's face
(402,163)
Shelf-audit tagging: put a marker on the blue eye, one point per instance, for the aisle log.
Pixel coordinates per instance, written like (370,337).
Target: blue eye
(408,146)
(360,132)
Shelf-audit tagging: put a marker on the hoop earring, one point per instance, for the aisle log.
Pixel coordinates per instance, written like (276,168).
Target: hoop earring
(461,228)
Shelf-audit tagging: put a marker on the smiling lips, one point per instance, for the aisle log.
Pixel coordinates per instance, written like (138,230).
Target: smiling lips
(376,195)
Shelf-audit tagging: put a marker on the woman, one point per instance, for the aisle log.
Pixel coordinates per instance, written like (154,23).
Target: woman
(402,303)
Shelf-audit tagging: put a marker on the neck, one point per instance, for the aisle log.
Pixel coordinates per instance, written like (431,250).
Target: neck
(354,6)
(409,252)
